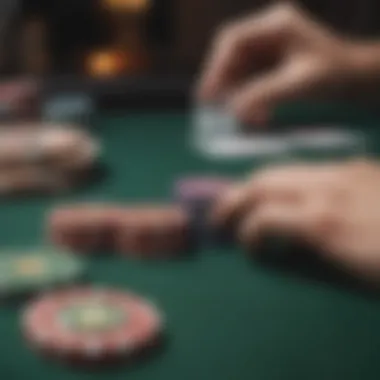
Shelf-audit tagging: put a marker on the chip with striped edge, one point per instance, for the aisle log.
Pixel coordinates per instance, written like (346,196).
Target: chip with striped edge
(197,196)
(87,325)
(26,271)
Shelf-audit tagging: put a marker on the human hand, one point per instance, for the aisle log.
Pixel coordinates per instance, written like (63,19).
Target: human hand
(278,55)
(333,207)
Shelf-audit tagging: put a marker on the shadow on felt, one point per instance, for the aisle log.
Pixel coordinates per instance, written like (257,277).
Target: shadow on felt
(300,260)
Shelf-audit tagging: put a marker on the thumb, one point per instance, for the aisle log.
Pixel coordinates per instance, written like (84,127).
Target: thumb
(254,102)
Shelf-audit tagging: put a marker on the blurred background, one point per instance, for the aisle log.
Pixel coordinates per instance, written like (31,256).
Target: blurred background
(112,39)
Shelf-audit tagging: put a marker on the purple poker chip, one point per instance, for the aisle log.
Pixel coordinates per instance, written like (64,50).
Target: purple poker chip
(197,195)
(200,188)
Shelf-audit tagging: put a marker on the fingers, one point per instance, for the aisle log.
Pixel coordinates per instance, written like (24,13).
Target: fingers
(254,102)
(273,218)
(287,183)
(241,196)
(237,45)
(232,204)
(307,221)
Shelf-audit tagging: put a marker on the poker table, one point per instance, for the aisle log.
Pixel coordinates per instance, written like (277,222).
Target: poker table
(228,317)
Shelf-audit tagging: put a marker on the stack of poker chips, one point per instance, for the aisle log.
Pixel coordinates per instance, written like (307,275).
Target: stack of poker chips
(144,231)
(37,157)
(85,324)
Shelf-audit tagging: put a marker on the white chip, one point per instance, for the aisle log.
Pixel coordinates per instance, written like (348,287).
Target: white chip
(239,147)
(328,138)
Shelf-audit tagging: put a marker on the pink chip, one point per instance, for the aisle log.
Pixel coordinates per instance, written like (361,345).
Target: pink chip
(43,327)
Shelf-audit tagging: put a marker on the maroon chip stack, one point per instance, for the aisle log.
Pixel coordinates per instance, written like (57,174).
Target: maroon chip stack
(85,227)
(140,231)
(156,231)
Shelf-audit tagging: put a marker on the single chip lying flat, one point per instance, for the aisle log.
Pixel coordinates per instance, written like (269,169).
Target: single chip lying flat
(31,271)
(92,326)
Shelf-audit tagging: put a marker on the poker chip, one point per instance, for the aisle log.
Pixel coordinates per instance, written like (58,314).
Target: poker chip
(63,147)
(153,232)
(326,138)
(68,107)
(196,195)
(211,122)
(218,135)
(92,326)
(84,228)
(66,148)
(16,181)
(43,158)
(200,189)
(24,272)
(138,231)
(256,146)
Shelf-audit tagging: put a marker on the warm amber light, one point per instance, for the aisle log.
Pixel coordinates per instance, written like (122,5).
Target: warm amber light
(106,63)
(127,5)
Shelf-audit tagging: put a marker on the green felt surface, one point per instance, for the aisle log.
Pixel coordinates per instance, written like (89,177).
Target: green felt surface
(227,318)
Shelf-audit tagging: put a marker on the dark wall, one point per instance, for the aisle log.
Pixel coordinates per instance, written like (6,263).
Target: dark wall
(183,26)
(72,25)
(357,17)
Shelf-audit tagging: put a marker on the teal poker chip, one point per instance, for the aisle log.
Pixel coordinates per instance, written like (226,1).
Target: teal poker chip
(69,107)
(34,270)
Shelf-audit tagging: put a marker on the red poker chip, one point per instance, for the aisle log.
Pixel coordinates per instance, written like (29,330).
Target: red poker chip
(84,229)
(152,232)
(90,326)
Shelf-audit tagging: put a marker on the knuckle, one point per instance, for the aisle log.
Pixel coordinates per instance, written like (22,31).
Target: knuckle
(229,37)
(287,13)
(325,222)
(226,33)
